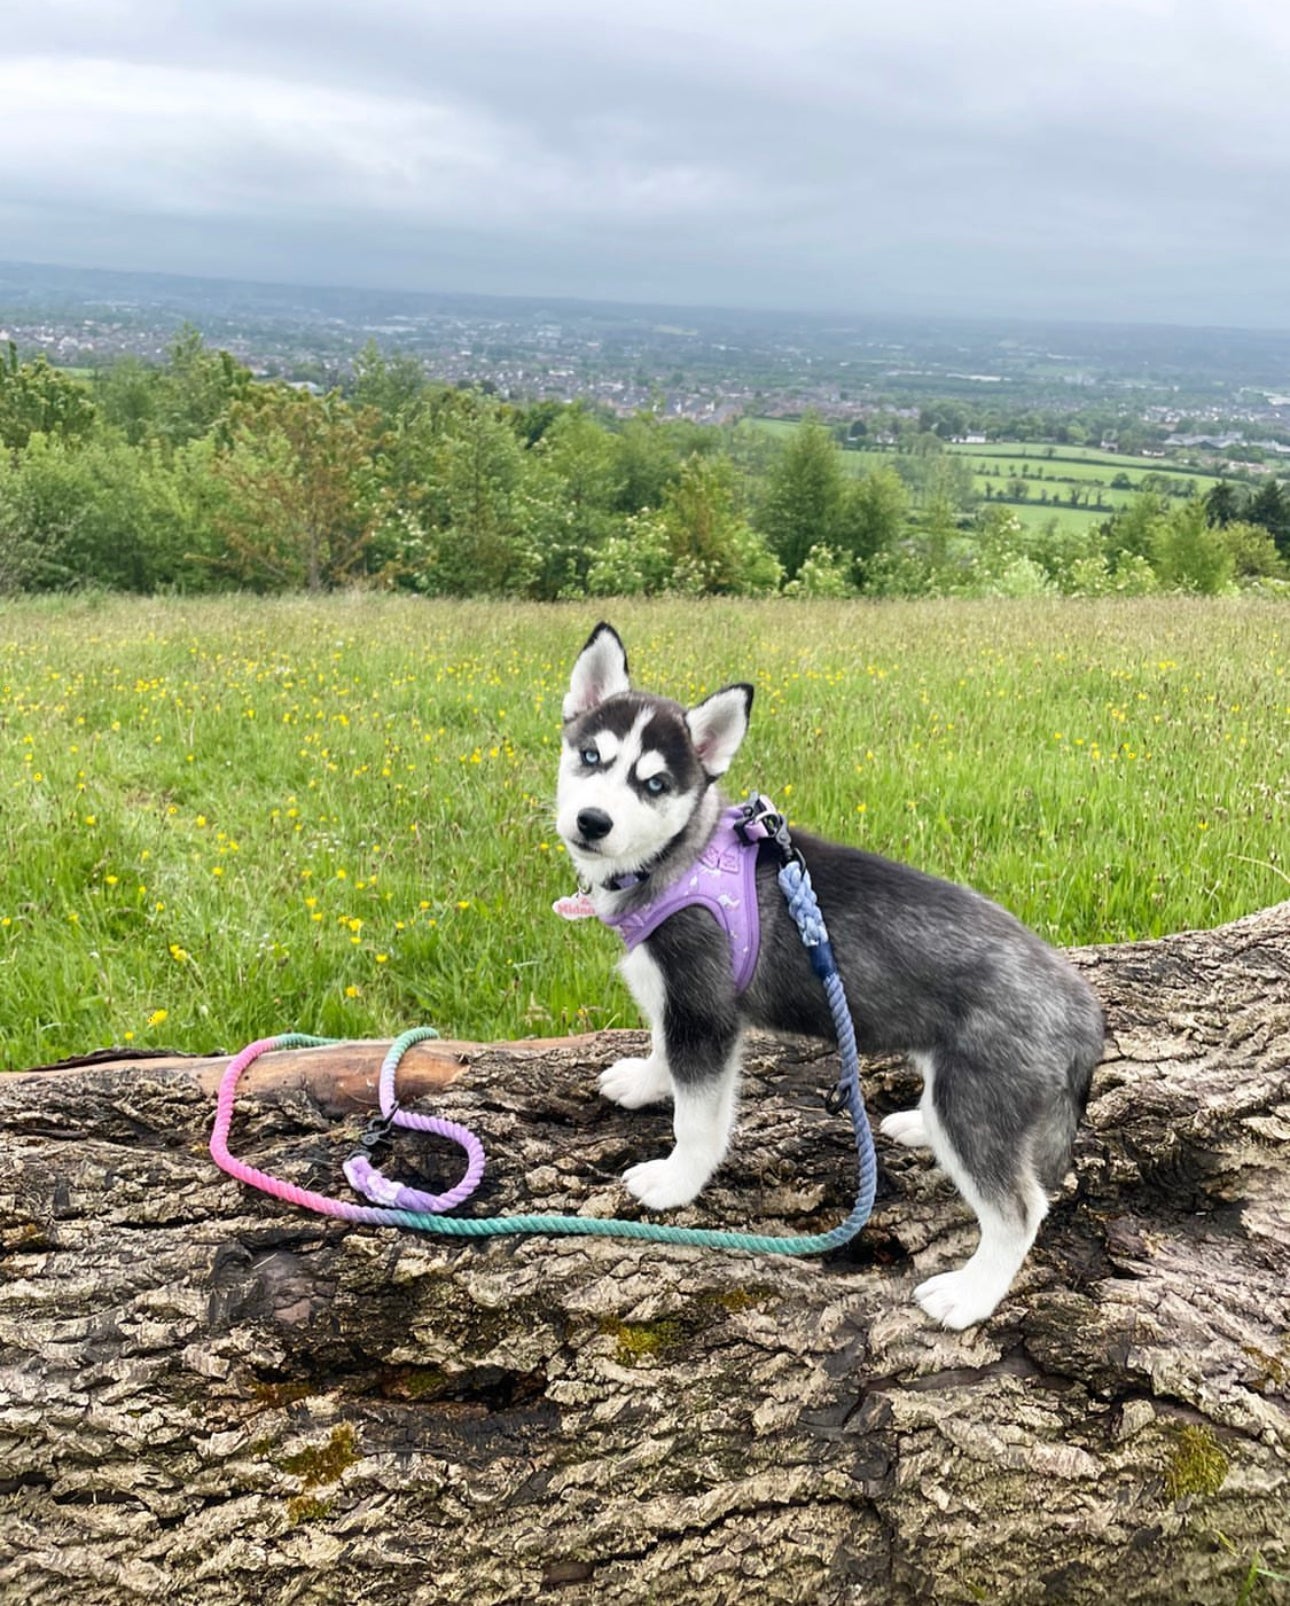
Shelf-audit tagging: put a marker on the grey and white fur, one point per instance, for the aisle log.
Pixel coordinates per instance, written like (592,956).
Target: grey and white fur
(1003,1030)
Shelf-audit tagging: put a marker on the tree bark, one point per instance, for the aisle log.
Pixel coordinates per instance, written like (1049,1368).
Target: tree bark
(211,1396)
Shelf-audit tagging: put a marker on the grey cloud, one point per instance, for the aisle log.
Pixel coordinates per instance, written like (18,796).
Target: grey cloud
(1083,157)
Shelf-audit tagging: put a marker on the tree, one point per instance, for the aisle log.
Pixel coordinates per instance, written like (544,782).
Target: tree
(1190,554)
(302,497)
(1270,507)
(934,475)
(804,494)
(714,550)
(873,515)
(1133,530)
(1254,552)
(647,461)
(636,561)
(36,399)
(126,393)
(197,389)
(395,386)
(97,513)
(477,541)
(574,470)
(943,418)
(533,421)
(1222,502)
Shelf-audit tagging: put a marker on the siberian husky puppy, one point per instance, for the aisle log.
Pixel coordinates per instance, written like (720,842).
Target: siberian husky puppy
(1004,1032)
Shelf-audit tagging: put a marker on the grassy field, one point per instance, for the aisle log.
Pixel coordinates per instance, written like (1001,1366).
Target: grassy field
(1065,517)
(1081,471)
(1052,470)
(229,817)
(1091,458)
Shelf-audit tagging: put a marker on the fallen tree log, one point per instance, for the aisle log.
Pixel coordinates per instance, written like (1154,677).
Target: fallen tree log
(212,1396)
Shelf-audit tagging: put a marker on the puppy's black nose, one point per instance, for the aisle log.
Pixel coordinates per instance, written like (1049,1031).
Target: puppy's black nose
(594,823)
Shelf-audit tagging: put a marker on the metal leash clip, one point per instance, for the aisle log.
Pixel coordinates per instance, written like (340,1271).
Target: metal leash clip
(377,1136)
(762,822)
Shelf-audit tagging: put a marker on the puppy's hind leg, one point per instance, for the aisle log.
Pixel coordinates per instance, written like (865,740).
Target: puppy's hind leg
(990,1165)
(962,1298)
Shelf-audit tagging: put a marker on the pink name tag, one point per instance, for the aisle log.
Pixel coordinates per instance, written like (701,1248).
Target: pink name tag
(578,906)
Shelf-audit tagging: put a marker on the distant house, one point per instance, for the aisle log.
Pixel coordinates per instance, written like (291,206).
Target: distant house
(1218,443)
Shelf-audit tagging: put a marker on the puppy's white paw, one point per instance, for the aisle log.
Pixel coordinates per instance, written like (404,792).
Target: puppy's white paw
(958,1299)
(636,1082)
(664,1184)
(907,1127)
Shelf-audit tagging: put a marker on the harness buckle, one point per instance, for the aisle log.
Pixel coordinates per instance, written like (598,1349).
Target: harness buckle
(762,822)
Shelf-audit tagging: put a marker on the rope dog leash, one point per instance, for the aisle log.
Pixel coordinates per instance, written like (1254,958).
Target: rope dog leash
(397,1206)
(404,1207)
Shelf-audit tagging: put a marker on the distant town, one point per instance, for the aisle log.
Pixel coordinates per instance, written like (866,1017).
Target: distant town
(1219,398)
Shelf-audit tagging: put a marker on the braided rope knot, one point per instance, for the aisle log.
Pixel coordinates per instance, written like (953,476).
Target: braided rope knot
(795,883)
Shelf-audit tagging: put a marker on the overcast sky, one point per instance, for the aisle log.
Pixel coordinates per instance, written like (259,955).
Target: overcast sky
(1119,159)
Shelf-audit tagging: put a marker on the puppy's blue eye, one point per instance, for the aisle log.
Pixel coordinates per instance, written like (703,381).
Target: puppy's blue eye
(656,786)
(590,757)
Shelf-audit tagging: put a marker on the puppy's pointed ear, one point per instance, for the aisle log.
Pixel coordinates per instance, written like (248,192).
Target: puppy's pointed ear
(600,672)
(718,725)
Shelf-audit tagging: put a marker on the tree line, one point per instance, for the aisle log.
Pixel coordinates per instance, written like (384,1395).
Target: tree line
(190,475)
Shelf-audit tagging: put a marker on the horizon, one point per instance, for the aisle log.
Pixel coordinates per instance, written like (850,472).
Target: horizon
(853,314)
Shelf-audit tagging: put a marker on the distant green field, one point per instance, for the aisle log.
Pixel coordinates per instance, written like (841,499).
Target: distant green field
(1092,456)
(782,427)
(1069,471)
(1048,471)
(1054,469)
(1066,517)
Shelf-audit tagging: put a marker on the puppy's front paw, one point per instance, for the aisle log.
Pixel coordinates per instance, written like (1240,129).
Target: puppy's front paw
(907,1127)
(664,1184)
(957,1299)
(636,1082)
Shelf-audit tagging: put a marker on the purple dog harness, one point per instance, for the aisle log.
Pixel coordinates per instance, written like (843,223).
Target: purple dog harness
(722,880)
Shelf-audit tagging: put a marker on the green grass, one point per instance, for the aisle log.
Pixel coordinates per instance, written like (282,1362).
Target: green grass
(1090,458)
(229,817)
(1083,468)
(1067,517)
(1070,468)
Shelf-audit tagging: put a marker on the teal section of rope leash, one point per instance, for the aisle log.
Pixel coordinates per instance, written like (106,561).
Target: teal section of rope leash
(796,884)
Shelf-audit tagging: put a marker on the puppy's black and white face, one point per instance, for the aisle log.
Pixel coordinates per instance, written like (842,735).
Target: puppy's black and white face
(635,768)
